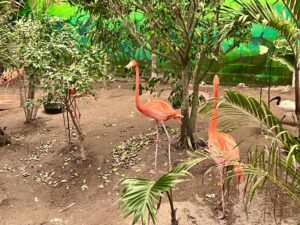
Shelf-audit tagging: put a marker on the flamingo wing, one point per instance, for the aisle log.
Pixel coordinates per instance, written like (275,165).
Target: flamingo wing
(223,147)
(159,110)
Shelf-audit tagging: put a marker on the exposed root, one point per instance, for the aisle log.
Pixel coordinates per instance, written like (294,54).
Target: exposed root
(192,143)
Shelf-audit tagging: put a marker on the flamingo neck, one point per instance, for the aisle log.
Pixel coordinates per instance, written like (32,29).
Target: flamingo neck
(137,88)
(213,120)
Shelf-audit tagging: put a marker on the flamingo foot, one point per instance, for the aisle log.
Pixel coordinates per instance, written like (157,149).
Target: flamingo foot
(221,216)
(153,172)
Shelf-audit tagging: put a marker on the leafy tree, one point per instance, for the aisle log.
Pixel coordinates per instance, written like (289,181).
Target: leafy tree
(287,26)
(71,74)
(59,64)
(187,34)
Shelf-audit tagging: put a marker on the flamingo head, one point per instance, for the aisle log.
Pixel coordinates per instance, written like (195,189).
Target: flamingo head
(131,64)
(216,80)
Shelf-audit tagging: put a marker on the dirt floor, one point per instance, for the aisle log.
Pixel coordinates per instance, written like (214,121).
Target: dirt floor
(42,182)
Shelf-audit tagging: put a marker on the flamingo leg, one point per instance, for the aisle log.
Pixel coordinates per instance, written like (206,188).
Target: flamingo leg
(5,89)
(169,145)
(156,148)
(156,145)
(222,215)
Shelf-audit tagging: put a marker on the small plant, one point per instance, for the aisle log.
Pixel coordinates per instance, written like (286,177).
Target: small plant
(142,197)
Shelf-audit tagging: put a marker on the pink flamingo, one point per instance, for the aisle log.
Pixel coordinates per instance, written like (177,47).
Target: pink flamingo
(223,147)
(10,76)
(157,109)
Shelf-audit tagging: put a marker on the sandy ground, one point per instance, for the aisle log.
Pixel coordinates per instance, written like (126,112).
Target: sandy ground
(42,183)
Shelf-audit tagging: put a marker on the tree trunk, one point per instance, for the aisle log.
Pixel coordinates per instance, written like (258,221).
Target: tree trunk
(297,96)
(188,136)
(196,141)
(153,66)
(185,134)
(71,111)
(153,56)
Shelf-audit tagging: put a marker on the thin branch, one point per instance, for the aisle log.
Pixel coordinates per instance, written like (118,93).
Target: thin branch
(142,43)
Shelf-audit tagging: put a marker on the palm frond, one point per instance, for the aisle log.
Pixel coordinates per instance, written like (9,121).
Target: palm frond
(141,196)
(283,53)
(287,60)
(264,13)
(269,165)
(294,8)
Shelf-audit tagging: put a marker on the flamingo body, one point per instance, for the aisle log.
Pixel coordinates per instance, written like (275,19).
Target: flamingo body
(159,110)
(223,147)
(11,75)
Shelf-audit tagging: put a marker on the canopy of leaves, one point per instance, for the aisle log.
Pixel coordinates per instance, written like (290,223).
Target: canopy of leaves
(182,29)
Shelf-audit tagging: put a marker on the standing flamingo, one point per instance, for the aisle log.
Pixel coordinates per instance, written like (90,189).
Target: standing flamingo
(223,147)
(159,110)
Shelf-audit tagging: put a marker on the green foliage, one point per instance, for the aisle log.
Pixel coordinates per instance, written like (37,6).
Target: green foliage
(30,36)
(264,13)
(283,53)
(40,6)
(5,46)
(271,165)
(141,196)
(53,53)
(7,10)
(75,69)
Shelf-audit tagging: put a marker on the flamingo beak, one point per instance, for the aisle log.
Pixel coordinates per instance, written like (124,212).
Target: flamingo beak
(130,65)
(127,68)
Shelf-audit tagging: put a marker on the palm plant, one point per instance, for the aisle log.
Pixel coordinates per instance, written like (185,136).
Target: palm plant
(287,26)
(269,165)
(142,197)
